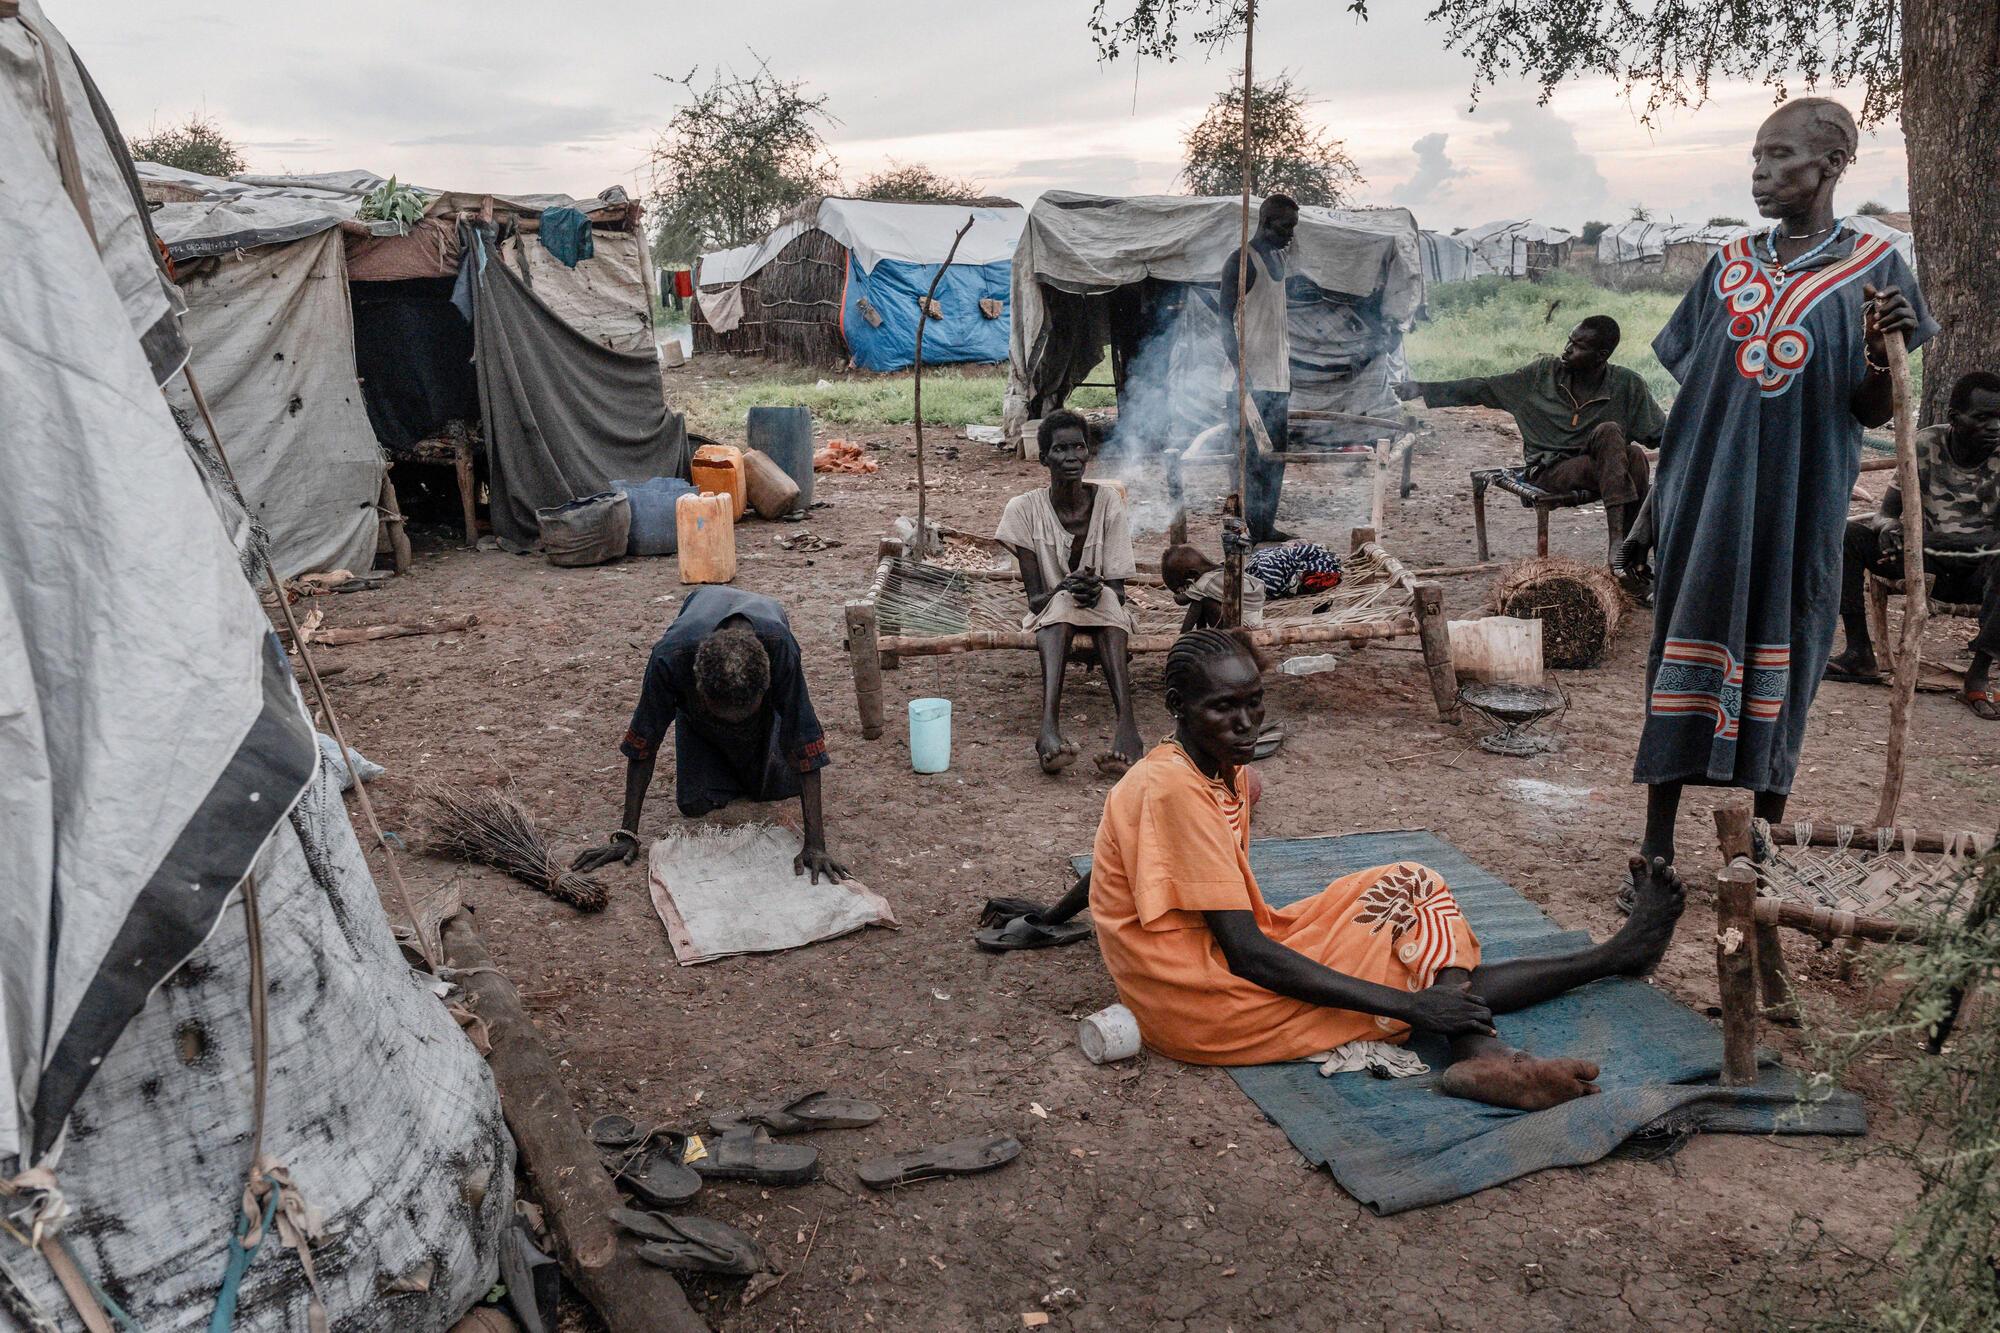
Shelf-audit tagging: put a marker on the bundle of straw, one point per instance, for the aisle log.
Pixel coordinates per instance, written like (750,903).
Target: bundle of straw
(491,828)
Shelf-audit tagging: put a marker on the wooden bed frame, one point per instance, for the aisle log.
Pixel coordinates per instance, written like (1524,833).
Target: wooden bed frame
(870,652)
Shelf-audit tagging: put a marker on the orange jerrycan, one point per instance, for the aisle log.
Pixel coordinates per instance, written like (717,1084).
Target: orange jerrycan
(706,525)
(719,468)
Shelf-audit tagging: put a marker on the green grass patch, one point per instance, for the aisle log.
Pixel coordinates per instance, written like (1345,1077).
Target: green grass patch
(1491,325)
(952,397)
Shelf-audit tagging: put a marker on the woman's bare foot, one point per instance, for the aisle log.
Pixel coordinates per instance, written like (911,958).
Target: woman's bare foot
(1054,752)
(1658,899)
(1518,1080)
(1111,763)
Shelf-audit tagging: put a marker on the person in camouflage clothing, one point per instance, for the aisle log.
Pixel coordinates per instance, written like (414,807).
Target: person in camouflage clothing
(1958,470)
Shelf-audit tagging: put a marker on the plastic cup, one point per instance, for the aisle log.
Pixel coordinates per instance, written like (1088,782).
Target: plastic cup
(930,735)
(1109,1034)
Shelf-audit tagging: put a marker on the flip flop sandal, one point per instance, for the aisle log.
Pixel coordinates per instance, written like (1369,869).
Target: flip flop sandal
(1628,894)
(1984,704)
(1269,741)
(801,1115)
(1021,933)
(999,911)
(1854,677)
(652,1172)
(960,1157)
(742,1154)
(611,1133)
(693,1244)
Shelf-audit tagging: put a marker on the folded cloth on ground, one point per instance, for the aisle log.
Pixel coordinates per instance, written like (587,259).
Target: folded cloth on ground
(1374,1057)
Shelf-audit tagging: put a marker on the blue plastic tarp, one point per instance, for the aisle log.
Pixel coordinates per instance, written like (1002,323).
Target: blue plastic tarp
(895,287)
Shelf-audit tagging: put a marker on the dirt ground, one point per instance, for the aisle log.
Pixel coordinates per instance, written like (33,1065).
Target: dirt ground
(1149,1194)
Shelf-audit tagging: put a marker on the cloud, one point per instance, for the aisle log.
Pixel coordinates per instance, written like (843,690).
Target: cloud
(1434,175)
(1564,178)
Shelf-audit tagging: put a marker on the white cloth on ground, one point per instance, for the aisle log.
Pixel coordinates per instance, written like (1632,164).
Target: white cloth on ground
(1376,1057)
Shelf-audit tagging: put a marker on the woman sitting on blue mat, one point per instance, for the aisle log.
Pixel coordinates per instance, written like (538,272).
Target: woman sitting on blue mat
(1218,977)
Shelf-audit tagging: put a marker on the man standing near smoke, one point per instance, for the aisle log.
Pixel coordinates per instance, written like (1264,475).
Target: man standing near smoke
(1266,357)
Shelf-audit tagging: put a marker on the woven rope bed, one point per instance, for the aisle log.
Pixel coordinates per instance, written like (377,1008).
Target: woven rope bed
(957,602)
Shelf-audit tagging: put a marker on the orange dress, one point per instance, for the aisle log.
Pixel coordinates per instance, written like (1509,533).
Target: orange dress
(1173,844)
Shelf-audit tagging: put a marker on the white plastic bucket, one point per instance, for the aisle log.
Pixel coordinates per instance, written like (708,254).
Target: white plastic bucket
(1109,1034)
(930,735)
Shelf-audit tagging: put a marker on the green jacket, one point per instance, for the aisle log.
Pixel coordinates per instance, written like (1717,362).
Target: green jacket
(1555,426)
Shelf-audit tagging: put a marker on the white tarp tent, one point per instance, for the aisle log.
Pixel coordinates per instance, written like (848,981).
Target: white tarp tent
(1449,259)
(1504,246)
(1083,245)
(157,753)
(1647,242)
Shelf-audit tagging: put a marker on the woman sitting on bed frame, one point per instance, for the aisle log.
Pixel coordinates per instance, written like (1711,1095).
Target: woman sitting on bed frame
(1218,977)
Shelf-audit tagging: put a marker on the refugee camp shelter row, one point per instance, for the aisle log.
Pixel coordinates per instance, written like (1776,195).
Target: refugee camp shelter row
(838,284)
(1140,276)
(1679,250)
(328,346)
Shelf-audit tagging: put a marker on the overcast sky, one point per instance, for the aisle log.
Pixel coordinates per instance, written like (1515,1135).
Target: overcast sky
(508,95)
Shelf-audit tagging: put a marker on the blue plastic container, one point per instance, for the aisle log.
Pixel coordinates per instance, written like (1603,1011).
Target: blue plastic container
(654,531)
(785,436)
(930,735)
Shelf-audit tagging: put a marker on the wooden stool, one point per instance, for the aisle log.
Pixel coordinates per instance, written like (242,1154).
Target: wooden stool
(1510,480)
(1879,591)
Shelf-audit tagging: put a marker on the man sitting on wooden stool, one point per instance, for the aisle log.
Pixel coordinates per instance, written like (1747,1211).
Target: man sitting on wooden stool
(1583,420)
(726,677)
(1074,545)
(1958,471)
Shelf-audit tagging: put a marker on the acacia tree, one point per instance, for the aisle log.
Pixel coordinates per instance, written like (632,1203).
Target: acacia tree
(1937,62)
(198,145)
(743,150)
(1289,154)
(915,183)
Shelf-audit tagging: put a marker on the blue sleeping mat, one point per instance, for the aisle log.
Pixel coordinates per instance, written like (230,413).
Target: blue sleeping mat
(1397,1144)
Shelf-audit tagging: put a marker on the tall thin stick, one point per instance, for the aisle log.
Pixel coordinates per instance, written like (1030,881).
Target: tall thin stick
(917,388)
(1916,603)
(1232,556)
(427,947)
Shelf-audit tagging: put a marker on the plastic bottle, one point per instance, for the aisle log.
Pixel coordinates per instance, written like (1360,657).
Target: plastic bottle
(706,525)
(930,735)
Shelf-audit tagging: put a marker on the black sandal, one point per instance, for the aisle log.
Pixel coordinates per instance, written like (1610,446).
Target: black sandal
(693,1244)
(1026,933)
(960,1157)
(804,1114)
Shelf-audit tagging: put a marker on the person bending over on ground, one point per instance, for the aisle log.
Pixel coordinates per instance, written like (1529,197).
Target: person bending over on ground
(1074,545)
(1958,474)
(726,677)
(1196,583)
(1583,420)
(1780,353)
(1215,976)
(1266,356)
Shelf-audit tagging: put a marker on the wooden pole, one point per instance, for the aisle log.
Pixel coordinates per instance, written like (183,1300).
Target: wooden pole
(864,638)
(1232,553)
(1263,636)
(1732,832)
(1915,598)
(1434,636)
(576,1192)
(1735,970)
(1827,924)
(917,384)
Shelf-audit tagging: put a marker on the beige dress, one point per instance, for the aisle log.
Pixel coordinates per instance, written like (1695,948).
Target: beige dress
(1208,588)
(1029,523)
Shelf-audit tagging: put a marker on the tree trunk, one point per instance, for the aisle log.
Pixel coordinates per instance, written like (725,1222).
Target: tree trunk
(1951,103)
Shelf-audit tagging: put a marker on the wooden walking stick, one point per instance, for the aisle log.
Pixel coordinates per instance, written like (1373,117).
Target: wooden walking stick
(1232,552)
(922,538)
(1916,601)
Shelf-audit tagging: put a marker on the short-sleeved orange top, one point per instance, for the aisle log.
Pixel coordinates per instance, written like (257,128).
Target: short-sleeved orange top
(1173,844)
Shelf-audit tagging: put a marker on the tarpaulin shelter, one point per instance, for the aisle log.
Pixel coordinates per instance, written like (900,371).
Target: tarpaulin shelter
(1682,248)
(1518,249)
(157,756)
(1140,275)
(326,342)
(839,284)
(1446,258)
